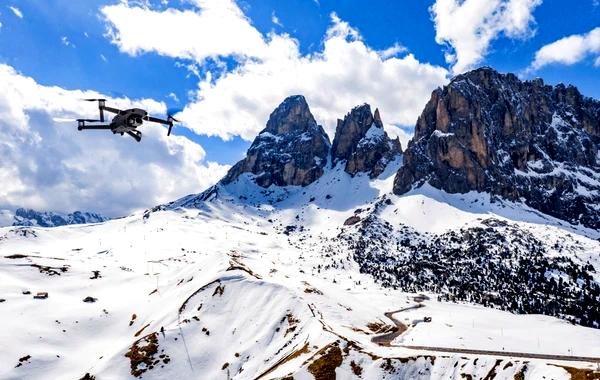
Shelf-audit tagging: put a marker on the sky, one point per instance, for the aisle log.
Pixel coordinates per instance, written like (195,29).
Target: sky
(224,65)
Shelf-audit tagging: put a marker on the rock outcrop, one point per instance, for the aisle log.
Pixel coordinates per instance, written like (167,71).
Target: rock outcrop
(291,150)
(362,143)
(523,141)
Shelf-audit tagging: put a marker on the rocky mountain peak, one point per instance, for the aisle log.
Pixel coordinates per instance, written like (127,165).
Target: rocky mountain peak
(521,140)
(362,143)
(293,114)
(291,150)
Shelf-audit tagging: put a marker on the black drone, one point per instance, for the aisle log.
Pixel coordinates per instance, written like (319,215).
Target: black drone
(125,121)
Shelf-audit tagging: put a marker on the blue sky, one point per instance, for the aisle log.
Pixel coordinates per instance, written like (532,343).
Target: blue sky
(85,45)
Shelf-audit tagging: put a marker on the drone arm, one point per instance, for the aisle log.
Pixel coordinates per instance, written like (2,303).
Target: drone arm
(110,109)
(168,122)
(157,120)
(100,126)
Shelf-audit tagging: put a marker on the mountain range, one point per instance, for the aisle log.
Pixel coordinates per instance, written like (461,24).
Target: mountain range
(471,254)
(30,217)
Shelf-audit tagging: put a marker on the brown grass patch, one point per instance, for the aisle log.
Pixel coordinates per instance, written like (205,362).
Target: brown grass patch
(379,327)
(142,353)
(582,373)
(140,330)
(313,291)
(356,369)
(520,374)
(492,374)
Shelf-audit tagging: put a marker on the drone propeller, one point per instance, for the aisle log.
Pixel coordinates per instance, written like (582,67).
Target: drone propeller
(89,120)
(171,119)
(94,100)
(63,120)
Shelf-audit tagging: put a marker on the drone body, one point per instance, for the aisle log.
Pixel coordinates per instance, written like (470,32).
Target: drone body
(124,121)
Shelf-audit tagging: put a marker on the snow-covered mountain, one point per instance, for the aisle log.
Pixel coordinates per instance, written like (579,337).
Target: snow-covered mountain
(29,217)
(304,264)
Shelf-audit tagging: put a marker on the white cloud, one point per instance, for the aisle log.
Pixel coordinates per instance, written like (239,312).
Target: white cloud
(469,26)
(403,134)
(275,20)
(16,11)
(65,41)
(48,165)
(392,51)
(345,73)
(569,50)
(216,28)
(173,97)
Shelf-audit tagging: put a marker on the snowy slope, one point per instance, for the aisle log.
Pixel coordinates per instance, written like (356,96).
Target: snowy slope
(260,284)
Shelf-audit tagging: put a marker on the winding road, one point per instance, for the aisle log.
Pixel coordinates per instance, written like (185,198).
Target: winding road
(399,328)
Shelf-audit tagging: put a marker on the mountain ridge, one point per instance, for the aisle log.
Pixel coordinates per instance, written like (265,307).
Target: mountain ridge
(30,218)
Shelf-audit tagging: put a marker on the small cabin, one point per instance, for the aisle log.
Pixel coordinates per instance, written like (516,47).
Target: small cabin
(41,296)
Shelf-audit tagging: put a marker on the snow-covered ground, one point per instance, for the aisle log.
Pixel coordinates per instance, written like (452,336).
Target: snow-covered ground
(230,290)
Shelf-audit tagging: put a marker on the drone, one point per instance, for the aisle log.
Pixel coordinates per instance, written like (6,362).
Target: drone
(124,121)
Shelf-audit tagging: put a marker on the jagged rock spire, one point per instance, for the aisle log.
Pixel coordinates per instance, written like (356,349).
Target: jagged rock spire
(291,150)
(362,143)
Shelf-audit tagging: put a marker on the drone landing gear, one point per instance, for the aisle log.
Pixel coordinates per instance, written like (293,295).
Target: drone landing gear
(137,135)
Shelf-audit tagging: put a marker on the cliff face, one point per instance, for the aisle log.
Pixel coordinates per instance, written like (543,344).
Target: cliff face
(361,141)
(291,150)
(294,150)
(526,141)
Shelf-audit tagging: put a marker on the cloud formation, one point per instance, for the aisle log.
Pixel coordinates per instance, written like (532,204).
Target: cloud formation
(469,26)
(48,165)
(345,73)
(16,11)
(214,28)
(569,50)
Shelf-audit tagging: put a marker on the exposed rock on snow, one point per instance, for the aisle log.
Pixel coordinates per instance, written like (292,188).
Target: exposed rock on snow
(291,150)
(361,141)
(527,141)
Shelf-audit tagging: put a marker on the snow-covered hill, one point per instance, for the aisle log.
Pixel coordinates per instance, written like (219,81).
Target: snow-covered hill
(256,283)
